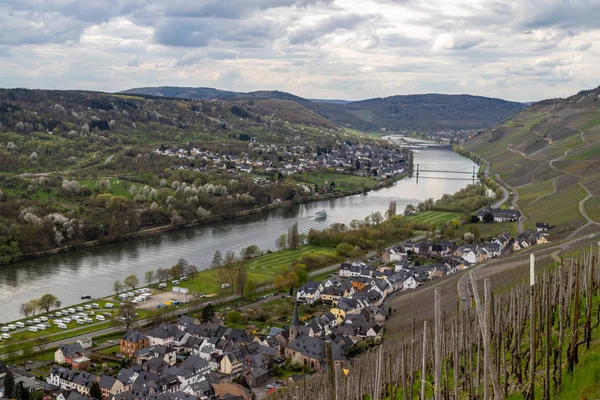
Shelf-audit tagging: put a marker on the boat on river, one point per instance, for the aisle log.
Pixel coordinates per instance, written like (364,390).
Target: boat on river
(321,214)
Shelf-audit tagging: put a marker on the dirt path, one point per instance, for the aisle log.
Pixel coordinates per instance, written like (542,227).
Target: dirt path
(582,212)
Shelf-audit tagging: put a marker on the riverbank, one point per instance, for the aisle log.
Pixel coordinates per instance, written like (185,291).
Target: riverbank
(156,230)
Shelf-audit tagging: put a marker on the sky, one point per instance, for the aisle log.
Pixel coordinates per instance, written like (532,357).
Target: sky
(520,50)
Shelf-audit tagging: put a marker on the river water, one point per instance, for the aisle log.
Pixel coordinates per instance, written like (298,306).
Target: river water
(93,271)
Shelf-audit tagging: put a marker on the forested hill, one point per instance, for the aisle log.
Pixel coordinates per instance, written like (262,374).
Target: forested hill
(550,155)
(424,111)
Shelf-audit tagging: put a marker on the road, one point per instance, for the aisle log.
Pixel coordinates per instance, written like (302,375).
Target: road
(180,311)
(462,284)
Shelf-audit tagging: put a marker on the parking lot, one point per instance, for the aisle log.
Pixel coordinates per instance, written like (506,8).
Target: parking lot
(157,298)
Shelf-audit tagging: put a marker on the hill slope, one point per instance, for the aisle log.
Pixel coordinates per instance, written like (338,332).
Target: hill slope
(550,154)
(426,111)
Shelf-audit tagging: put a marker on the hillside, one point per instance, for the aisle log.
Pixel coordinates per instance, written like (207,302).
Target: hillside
(422,112)
(84,166)
(550,154)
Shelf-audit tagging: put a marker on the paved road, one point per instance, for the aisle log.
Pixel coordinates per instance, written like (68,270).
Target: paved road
(463,282)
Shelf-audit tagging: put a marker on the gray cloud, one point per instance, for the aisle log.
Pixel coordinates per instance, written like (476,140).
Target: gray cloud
(321,28)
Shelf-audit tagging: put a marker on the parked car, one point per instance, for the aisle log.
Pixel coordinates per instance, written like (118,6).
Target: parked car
(95,305)
(100,317)
(62,326)
(5,336)
(58,314)
(81,321)
(29,322)
(107,314)
(162,285)
(79,308)
(41,326)
(109,305)
(4,329)
(183,278)
(43,319)
(20,324)
(37,320)
(12,327)
(87,307)
(175,282)
(88,320)
(33,329)
(71,310)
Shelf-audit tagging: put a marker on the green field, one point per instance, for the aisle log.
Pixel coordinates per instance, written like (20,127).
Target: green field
(559,208)
(261,269)
(590,124)
(592,208)
(491,230)
(433,217)
(532,191)
(342,181)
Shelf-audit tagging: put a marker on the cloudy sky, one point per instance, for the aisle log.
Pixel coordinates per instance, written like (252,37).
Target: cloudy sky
(351,49)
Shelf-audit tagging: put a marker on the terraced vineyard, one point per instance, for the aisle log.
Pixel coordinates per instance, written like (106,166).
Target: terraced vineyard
(552,144)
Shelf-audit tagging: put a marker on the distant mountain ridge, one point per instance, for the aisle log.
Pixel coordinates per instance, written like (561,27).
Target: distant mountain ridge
(403,112)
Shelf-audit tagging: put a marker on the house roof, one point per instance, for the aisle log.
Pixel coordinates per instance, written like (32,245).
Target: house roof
(134,336)
(313,347)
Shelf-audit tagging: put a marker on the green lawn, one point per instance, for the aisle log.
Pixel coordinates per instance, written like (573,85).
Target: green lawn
(342,181)
(261,269)
(433,217)
(491,230)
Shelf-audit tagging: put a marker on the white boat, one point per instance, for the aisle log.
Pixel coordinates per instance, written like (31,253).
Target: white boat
(321,214)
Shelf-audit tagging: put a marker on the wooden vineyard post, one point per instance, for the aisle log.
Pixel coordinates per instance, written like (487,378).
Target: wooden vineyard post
(576,312)
(437,347)
(548,340)
(424,361)
(486,341)
(532,326)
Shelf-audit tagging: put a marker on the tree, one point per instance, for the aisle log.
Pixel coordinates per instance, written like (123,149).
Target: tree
(176,271)
(391,211)
(95,391)
(208,311)
(9,385)
(20,392)
(488,217)
(281,242)
(47,301)
(126,314)
(291,279)
(344,249)
(131,281)
(292,238)
(217,260)
(250,252)
(117,287)
(233,317)
(376,218)
(162,274)
(302,276)
(230,257)
(409,210)
(29,308)
(192,271)
(250,289)
(149,277)
(240,279)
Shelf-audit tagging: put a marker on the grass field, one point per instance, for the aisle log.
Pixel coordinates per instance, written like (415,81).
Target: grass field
(491,230)
(590,124)
(530,192)
(342,181)
(558,209)
(592,208)
(261,269)
(433,217)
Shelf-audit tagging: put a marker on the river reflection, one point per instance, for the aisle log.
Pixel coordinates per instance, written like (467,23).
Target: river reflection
(93,271)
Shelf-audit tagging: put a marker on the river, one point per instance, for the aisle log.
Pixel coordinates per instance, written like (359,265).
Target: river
(93,271)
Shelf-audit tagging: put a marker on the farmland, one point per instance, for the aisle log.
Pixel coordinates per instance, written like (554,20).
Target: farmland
(433,217)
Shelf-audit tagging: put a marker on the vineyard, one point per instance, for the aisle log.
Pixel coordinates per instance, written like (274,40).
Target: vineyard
(523,342)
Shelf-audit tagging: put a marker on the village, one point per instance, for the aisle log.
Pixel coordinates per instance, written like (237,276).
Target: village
(210,358)
(261,159)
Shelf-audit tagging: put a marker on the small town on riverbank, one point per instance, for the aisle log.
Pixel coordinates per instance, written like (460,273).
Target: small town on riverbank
(245,350)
